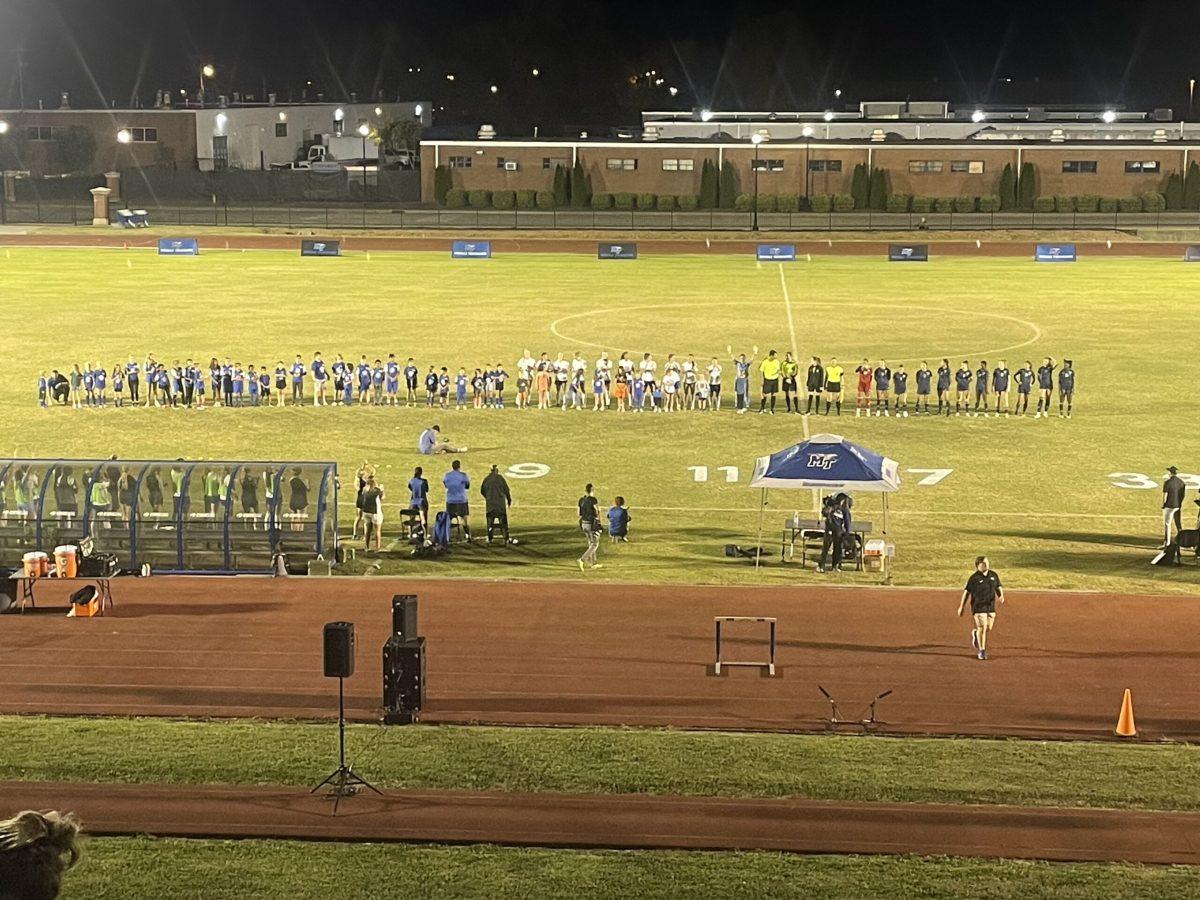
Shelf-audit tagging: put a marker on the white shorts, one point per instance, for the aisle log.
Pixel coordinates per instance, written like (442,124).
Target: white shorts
(374,518)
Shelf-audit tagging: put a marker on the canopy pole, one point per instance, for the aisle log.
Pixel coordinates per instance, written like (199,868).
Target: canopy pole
(887,561)
(762,511)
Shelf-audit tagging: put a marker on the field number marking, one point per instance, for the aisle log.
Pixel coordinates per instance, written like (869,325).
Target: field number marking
(528,470)
(1136,481)
(932,476)
(700,473)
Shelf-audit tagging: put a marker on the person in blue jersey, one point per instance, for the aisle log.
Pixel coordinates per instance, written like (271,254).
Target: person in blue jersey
(298,370)
(198,375)
(391,382)
(457,484)
(418,489)
(189,383)
(943,386)
(89,384)
(378,376)
(118,384)
(100,379)
(962,388)
(264,385)
(1045,385)
(460,389)
(338,369)
(150,369)
(252,385)
(477,389)
(924,387)
(500,380)
(364,380)
(280,383)
(431,385)
(133,378)
(443,387)
(239,384)
(741,377)
(1000,383)
(900,392)
(176,384)
(411,376)
(320,376)
(348,385)
(983,382)
(1066,387)
(883,386)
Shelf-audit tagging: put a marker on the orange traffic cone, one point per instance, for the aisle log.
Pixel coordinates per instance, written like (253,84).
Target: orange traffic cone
(1125,726)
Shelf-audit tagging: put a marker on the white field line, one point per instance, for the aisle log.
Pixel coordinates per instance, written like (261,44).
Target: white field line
(787,305)
(894,512)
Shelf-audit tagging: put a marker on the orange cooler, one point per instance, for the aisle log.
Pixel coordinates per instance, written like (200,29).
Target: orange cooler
(66,561)
(36,564)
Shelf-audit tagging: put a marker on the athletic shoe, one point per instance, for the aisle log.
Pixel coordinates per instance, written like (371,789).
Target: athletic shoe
(857,413)
(981,655)
(821,569)
(1038,414)
(581,567)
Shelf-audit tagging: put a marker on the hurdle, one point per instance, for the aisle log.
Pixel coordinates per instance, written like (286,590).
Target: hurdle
(769,665)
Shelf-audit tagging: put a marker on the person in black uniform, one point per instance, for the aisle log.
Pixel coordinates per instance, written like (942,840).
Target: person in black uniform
(924,382)
(815,383)
(985,591)
(834,515)
(943,386)
(1024,379)
(1066,387)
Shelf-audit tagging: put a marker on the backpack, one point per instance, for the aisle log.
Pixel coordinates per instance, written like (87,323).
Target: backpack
(441,529)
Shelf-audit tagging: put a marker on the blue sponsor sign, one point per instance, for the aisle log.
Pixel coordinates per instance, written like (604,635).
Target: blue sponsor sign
(1192,253)
(320,248)
(1055,253)
(908,252)
(618,251)
(178,247)
(471,250)
(776,253)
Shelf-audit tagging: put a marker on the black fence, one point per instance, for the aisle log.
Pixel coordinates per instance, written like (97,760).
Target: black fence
(374,215)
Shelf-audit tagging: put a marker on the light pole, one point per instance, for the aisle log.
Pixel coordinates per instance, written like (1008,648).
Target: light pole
(755,139)
(808,133)
(363,130)
(207,71)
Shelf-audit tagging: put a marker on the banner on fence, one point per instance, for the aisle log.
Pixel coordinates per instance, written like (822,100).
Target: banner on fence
(1055,253)
(471,250)
(1192,253)
(618,251)
(320,248)
(908,252)
(776,253)
(178,247)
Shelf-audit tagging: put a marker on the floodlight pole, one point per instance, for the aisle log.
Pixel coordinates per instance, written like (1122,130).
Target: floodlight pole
(754,210)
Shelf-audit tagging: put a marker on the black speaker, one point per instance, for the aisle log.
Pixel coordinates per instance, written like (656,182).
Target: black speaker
(339,649)
(403,679)
(404,616)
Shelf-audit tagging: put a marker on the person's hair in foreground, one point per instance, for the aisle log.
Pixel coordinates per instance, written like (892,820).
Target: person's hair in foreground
(35,850)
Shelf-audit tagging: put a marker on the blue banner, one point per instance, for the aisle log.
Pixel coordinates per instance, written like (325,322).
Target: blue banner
(908,252)
(320,248)
(1055,253)
(776,253)
(1192,253)
(178,247)
(471,250)
(617,251)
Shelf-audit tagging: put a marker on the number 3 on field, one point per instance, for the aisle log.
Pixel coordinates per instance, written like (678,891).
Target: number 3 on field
(932,476)
(1133,481)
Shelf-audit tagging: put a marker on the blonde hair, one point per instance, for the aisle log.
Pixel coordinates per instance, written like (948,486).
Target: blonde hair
(36,848)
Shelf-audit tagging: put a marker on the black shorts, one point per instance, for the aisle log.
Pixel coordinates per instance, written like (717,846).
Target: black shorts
(280,384)
(770,385)
(457,510)
(983,609)
(789,384)
(833,387)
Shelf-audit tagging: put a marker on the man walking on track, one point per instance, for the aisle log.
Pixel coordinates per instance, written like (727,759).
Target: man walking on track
(984,589)
(589,523)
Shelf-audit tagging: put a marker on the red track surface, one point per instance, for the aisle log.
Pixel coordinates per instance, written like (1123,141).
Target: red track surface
(574,653)
(537,242)
(624,821)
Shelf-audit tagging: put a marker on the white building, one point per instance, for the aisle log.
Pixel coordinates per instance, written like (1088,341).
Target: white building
(257,137)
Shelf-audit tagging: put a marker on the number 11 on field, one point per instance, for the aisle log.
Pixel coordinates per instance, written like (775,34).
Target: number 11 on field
(700,473)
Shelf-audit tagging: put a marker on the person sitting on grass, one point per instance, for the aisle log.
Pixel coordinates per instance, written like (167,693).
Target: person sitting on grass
(618,521)
(431,442)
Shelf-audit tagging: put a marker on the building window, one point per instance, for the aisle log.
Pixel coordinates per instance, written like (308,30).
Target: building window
(766,165)
(919,166)
(460,162)
(678,165)
(281,129)
(1081,166)
(1141,167)
(39,133)
(970,166)
(551,162)
(143,135)
(622,165)
(508,165)
(824,165)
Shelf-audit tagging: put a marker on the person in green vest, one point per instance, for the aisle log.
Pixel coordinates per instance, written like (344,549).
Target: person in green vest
(100,493)
(212,488)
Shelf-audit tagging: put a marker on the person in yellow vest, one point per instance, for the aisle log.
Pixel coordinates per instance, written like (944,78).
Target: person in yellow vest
(833,385)
(789,370)
(770,369)
(101,495)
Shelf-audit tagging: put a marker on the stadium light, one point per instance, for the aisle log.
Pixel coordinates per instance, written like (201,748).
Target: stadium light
(838,92)
(672,90)
(978,116)
(535,71)
(449,76)
(495,89)
(123,136)
(208,71)
(756,139)
(418,110)
(1109,116)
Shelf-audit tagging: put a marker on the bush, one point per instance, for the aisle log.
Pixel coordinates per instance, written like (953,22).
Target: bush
(1107,204)
(646,201)
(964,204)
(1027,187)
(860,186)
(504,199)
(745,202)
(1130,204)
(456,198)
(545,200)
(898,203)
(878,196)
(922,204)
(479,198)
(742,203)
(727,185)
(943,204)
(767,203)
(708,186)
(526,199)
(1173,191)
(1153,202)
(666,202)
(820,203)
(1043,204)
(689,202)
(989,203)
(787,203)
(581,185)
(602,201)
(843,203)
(442,183)
(624,200)
(561,190)
(1064,204)
(1088,203)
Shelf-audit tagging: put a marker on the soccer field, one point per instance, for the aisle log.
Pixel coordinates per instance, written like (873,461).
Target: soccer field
(1040,497)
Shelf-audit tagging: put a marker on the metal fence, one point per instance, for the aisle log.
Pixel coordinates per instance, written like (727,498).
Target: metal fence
(385,216)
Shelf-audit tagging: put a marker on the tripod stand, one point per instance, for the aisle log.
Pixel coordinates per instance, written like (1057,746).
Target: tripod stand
(343,781)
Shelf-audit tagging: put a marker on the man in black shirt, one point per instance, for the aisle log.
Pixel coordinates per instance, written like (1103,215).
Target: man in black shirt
(983,587)
(834,513)
(589,523)
(497,499)
(1173,490)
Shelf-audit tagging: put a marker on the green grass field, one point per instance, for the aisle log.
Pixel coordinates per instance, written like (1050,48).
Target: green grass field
(1036,495)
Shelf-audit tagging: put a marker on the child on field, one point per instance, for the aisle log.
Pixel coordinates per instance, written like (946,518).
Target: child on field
(118,380)
(43,391)
(618,521)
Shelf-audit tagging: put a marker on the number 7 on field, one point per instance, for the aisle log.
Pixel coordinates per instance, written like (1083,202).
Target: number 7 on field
(932,476)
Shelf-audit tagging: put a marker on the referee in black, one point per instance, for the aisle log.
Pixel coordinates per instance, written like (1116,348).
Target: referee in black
(985,591)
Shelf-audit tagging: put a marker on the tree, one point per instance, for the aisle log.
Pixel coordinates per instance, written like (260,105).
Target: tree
(708,185)
(398,135)
(581,185)
(1026,187)
(727,188)
(1191,187)
(860,186)
(442,182)
(1006,188)
(1173,191)
(561,188)
(74,149)
(878,195)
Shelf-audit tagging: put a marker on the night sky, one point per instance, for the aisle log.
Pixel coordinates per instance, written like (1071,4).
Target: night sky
(725,56)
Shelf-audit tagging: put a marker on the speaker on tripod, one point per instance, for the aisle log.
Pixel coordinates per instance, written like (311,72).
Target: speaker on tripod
(403,665)
(339,663)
